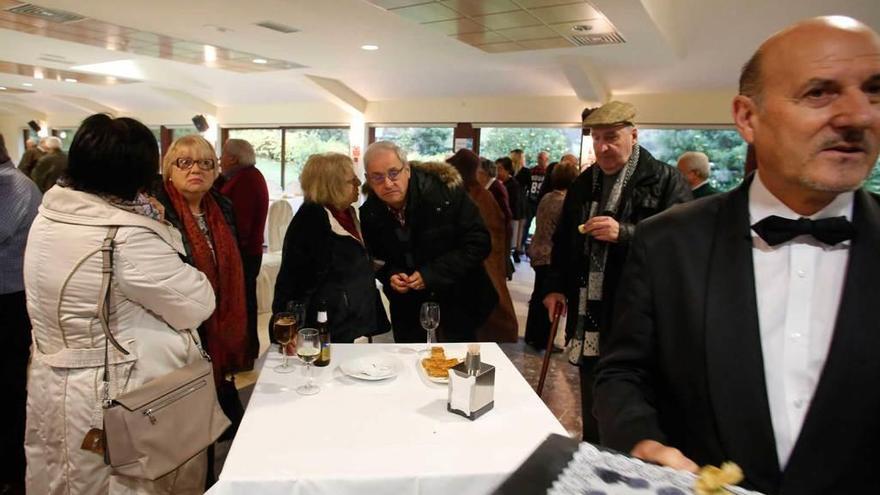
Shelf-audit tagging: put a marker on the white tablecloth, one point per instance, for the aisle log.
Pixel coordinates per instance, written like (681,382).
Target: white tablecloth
(386,437)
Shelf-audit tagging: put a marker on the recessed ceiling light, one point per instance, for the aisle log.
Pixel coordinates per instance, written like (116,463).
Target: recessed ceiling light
(118,68)
(27,85)
(260,61)
(69,79)
(582,28)
(2,88)
(369,48)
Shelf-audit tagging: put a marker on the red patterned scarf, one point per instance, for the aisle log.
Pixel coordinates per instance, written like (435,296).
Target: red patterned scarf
(226,329)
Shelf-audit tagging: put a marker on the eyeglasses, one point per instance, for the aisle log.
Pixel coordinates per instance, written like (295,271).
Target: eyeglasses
(187,163)
(392,174)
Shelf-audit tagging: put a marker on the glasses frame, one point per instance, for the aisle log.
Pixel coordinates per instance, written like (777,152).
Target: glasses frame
(180,163)
(393,175)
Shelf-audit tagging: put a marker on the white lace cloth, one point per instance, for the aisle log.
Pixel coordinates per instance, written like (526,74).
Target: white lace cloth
(595,472)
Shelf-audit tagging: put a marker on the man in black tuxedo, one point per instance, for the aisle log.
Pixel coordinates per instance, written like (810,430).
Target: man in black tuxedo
(740,335)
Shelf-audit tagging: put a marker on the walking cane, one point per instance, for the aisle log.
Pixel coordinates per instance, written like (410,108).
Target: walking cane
(557,314)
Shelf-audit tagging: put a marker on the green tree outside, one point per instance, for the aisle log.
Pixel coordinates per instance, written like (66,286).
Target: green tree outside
(496,142)
(725,149)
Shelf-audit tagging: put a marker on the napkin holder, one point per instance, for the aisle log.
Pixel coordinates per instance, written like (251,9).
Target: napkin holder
(471,396)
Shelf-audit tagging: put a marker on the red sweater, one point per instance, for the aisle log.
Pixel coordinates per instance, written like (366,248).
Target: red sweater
(250,198)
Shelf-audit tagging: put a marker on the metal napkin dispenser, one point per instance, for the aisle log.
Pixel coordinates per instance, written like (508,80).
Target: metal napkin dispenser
(471,394)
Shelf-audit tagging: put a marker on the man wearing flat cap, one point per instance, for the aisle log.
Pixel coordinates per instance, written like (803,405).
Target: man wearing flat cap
(601,210)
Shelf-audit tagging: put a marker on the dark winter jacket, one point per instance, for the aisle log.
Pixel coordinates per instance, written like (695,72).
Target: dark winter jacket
(653,187)
(321,261)
(446,241)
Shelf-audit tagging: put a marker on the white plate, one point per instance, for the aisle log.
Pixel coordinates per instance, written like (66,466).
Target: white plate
(371,368)
(428,377)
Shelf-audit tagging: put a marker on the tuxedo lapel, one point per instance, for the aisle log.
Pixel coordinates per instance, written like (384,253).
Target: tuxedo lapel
(844,411)
(734,362)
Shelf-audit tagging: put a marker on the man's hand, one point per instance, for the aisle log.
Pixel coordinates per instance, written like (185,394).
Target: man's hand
(656,452)
(415,281)
(550,302)
(603,228)
(399,282)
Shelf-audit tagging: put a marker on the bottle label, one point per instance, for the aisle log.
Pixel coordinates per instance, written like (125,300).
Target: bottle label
(322,317)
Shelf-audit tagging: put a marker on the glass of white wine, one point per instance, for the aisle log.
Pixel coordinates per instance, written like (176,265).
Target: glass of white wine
(308,348)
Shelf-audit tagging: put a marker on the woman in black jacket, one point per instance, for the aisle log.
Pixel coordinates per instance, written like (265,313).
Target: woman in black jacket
(324,258)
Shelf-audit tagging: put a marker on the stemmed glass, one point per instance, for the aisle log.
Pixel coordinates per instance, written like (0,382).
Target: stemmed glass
(308,348)
(284,330)
(430,318)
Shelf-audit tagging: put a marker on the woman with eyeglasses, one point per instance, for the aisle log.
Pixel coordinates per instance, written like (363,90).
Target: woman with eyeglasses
(324,259)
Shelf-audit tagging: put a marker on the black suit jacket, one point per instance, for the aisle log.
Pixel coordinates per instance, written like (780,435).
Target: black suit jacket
(705,190)
(683,363)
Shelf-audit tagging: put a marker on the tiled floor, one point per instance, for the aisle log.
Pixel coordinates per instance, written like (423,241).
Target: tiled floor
(561,389)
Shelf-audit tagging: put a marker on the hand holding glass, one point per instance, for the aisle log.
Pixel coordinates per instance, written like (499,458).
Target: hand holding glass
(308,348)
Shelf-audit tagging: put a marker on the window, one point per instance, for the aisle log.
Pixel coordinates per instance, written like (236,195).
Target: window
(292,148)
(66,136)
(873,182)
(424,144)
(724,147)
(180,131)
(300,144)
(497,142)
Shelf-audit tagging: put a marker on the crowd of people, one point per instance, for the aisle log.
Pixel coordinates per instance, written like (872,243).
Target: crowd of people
(735,326)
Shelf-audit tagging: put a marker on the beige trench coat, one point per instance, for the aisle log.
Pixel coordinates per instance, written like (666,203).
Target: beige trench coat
(154,296)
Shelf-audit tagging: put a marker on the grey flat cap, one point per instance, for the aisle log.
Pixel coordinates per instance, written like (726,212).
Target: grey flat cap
(611,113)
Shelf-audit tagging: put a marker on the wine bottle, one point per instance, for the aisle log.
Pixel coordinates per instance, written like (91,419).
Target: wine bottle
(323,335)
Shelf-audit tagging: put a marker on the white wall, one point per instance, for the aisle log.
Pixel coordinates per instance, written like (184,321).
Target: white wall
(11,130)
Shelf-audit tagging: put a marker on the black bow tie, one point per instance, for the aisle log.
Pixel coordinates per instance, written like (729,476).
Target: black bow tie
(776,230)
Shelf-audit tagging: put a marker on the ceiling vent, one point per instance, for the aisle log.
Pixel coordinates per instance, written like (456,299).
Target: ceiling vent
(277,26)
(597,39)
(50,15)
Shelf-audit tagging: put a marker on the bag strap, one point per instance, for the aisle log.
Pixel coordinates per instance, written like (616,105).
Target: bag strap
(104,309)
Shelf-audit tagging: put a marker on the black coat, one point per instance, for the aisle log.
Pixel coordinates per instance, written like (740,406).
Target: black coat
(683,362)
(653,187)
(446,241)
(320,261)
(705,190)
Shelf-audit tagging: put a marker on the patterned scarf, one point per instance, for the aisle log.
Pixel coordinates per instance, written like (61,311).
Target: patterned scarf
(141,205)
(226,329)
(586,341)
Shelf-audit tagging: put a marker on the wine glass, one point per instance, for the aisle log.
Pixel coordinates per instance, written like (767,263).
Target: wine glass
(283,329)
(430,318)
(308,348)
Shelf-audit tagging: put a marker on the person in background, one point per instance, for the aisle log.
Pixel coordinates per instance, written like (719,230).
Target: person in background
(246,188)
(547,185)
(501,325)
(695,168)
(155,298)
(746,329)
(207,222)
(20,198)
(487,176)
(50,166)
(324,259)
(429,241)
(523,177)
(549,211)
(32,154)
(601,210)
(514,198)
(533,188)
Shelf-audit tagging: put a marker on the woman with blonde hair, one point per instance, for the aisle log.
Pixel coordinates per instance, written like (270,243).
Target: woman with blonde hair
(523,176)
(324,260)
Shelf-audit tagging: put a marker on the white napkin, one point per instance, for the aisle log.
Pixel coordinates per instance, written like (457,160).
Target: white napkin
(460,392)
(376,370)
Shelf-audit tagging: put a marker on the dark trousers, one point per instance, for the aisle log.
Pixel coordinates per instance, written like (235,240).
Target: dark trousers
(15,343)
(588,376)
(407,327)
(252,265)
(538,322)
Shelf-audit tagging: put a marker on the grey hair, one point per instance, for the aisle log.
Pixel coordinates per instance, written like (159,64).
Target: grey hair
(380,146)
(242,150)
(696,161)
(490,167)
(52,143)
(750,83)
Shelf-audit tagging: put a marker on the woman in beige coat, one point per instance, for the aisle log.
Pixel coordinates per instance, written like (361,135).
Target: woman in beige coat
(154,297)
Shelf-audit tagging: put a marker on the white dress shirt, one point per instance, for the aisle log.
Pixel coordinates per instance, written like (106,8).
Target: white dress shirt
(798,285)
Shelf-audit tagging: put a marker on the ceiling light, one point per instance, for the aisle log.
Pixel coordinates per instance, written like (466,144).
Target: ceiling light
(210,53)
(369,48)
(118,68)
(69,79)
(260,61)
(582,28)
(2,88)
(27,85)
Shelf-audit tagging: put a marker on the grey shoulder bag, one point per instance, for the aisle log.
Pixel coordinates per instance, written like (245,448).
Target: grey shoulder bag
(156,428)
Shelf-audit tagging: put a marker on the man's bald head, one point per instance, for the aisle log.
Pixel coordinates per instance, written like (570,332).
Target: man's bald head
(750,80)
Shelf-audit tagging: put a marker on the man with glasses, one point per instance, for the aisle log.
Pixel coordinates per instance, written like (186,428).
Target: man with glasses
(625,186)
(428,242)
